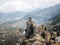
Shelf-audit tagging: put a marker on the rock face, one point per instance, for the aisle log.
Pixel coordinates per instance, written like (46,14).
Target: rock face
(36,39)
(29,28)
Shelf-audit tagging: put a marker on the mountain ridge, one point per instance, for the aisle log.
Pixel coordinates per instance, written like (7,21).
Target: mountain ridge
(39,17)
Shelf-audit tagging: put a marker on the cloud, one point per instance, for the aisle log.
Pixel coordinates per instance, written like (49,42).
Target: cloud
(18,18)
(25,5)
(15,6)
(42,3)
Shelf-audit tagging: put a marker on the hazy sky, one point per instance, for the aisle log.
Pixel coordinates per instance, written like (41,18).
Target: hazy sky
(25,5)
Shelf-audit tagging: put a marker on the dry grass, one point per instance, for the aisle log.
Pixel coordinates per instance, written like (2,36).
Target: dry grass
(58,43)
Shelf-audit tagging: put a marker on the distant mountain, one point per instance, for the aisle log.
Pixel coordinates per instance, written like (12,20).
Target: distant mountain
(9,17)
(39,16)
(56,19)
(14,24)
(43,15)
